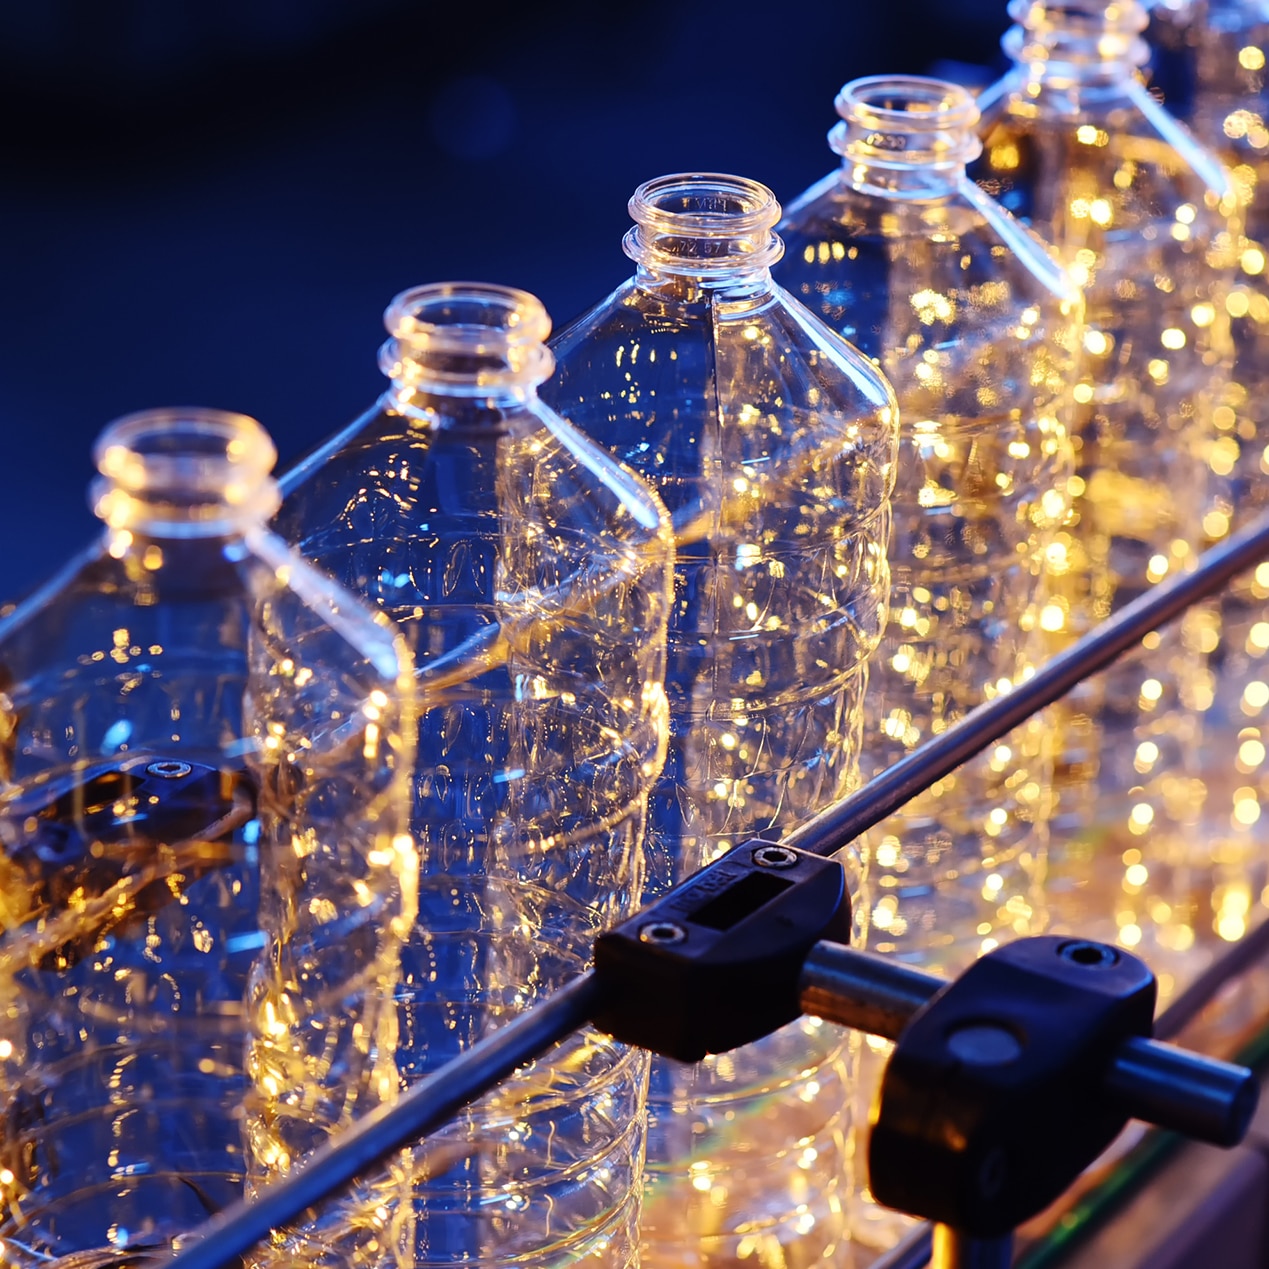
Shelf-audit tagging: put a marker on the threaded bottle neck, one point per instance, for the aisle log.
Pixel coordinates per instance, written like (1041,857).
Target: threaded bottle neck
(703,225)
(466,339)
(905,136)
(1074,41)
(187,473)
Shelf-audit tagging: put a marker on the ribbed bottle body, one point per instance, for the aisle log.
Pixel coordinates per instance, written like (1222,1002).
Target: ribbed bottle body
(979,349)
(976,328)
(1135,208)
(772,445)
(1224,43)
(530,575)
(170,790)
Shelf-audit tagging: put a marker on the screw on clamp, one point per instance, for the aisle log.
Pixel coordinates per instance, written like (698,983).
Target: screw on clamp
(715,963)
(775,857)
(1006,1083)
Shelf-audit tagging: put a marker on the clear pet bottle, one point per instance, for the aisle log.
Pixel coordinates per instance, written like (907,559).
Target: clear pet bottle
(975,325)
(1227,107)
(772,443)
(1224,44)
(531,574)
(204,755)
(1141,215)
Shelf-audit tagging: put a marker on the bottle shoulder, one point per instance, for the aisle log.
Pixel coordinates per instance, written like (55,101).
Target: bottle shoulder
(1119,139)
(647,351)
(960,277)
(89,597)
(169,606)
(432,468)
(964,235)
(723,392)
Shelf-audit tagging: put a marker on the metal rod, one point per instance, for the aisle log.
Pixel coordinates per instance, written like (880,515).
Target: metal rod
(861,990)
(430,1103)
(1236,958)
(1197,1096)
(841,823)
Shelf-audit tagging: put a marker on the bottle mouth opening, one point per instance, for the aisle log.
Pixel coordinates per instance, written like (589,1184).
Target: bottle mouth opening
(472,333)
(468,316)
(1077,33)
(704,203)
(703,221)
(185,471)
(911,103)
(1088,15)
(894,122)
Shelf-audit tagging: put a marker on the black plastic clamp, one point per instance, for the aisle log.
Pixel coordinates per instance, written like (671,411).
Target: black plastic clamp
(716,963)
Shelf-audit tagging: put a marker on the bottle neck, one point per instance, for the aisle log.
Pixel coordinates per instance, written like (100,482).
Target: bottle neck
(703,231)
(183,474)
(1065,43)
(465,340)
(905,136)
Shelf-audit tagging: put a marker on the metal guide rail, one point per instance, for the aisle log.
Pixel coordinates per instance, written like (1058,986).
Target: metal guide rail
(1045,1040)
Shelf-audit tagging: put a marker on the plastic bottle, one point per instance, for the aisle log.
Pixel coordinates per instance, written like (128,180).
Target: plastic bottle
(975,326)
(773,445)
(1223,45)
(1219,50)
(203,751)
(1141,215)
(531,575)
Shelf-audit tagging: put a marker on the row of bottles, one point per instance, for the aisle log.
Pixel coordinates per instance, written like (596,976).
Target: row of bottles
(205,748)
(977,328)
(1221,47)
(306,786)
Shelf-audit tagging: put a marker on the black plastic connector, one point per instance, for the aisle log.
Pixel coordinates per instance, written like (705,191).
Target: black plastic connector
(715,963)
(995,1097)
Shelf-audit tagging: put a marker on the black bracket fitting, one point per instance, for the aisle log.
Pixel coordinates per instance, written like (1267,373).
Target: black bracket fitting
(716,962)
(1018,1074)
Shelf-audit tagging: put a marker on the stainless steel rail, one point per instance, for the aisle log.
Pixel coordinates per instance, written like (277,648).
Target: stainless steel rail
(429,1104)
(839,824)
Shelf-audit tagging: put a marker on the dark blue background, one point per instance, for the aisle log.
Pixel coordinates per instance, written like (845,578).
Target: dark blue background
(211,202)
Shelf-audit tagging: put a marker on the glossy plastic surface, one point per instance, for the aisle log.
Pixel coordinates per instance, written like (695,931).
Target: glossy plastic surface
(773,446)
(531,575)
(1141,214)
(203,745)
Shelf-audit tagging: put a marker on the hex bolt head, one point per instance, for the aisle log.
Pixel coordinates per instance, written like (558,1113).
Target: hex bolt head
(169,769)
(662,932)
(774,857)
